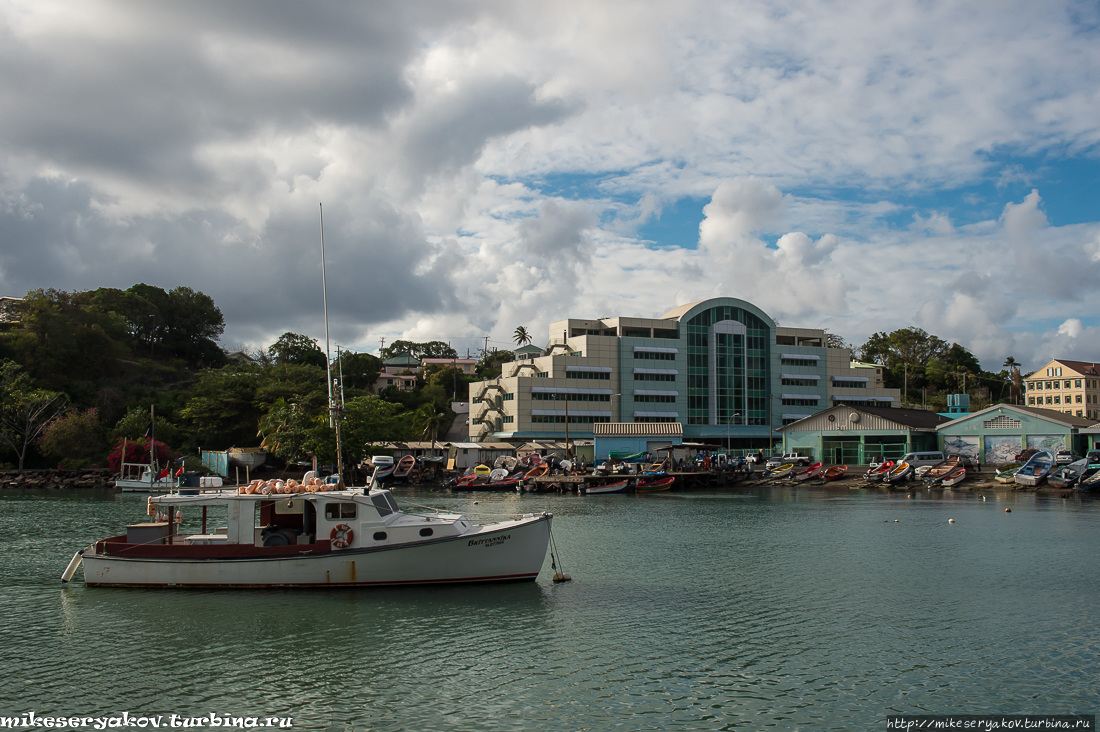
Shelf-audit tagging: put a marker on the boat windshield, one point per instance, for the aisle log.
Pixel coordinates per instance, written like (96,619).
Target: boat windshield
(384,502)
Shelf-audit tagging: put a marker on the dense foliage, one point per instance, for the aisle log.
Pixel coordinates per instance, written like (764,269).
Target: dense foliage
(927,368)
(79,372)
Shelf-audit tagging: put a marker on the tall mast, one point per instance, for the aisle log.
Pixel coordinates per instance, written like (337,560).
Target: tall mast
(332,419)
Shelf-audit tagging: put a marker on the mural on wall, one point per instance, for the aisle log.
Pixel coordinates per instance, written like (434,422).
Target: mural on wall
(962,445)
(1047,442)
(1001,449)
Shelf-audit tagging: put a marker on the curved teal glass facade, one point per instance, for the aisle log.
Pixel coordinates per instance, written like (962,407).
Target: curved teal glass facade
(728,357)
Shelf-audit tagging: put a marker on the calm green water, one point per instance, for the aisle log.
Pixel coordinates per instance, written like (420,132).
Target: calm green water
(778,609)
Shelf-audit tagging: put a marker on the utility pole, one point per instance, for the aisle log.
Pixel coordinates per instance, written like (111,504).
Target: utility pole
(905,393)
(383,348)
(485,350)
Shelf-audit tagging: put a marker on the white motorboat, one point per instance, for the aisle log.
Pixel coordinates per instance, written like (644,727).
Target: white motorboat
(139,478)
(345,538)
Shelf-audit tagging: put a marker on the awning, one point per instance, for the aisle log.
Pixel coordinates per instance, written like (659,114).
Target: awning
(656,371)
(851,398)
(864,379)
(803,356)
(597,369)
(801,396)
(656,392)
(567,390)
(571,412)
(811,377)
(673,415)
(654,349)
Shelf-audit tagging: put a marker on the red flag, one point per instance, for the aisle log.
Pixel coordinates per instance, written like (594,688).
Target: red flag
(180,471)
(164,473)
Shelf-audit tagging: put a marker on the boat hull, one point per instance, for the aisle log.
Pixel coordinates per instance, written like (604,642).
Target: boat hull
(512,552)
(617,487)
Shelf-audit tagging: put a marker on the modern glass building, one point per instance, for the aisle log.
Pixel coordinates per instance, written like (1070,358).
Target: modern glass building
(720,367)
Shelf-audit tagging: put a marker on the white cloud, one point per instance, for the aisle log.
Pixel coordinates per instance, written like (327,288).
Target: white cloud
(485,166)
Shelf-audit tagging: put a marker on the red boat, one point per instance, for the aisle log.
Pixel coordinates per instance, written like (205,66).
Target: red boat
(811,472)
(835,472)
(655,484)
(878,472)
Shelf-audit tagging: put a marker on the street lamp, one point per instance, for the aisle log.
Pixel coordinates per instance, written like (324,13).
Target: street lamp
(728,420)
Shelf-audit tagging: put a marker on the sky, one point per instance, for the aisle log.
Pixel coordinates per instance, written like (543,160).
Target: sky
(858,167)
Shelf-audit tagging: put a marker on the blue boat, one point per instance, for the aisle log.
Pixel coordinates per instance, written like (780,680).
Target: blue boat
(1036,469)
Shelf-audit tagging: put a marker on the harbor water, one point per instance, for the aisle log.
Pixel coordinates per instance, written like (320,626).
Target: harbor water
(786,609)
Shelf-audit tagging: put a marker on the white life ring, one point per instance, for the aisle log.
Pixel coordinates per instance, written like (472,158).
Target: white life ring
(341,536)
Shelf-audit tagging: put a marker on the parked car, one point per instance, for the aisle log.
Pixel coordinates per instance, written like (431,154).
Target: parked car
(1064,457)
(788,457)
(1024,455)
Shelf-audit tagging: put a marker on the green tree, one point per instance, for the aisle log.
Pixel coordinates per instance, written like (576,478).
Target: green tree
(360,370)
(452,380)
(521,336)
(289,430)
(430,349)
(134,426)
(371,419)
(293,348)
(24,410)
(429,421)
(491,364)
(222,408)
(75,437)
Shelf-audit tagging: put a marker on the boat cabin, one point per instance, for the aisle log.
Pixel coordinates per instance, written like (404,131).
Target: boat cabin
(281,524)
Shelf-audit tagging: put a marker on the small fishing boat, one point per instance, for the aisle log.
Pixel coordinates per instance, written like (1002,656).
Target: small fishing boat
(940,470)
(782,471)
(956,476)
(404,467)
(325,538)
(898,473)
(877,472)
(1007,475)
(616,487)
(538,470)
(835,472)
(1035,470)
(655,484)
(507,462)
(811,471)
(1068,475)
(509,483)
(1089,483)
(383,468)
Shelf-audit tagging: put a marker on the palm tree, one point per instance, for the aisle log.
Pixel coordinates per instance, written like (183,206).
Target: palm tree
(428,421)
(521,336)
(1014,376)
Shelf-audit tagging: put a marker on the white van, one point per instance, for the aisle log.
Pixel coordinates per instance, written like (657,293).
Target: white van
(917,459)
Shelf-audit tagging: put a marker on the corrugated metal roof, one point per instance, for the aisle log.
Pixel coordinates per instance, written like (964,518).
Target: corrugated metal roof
(1050,415)
(636,429)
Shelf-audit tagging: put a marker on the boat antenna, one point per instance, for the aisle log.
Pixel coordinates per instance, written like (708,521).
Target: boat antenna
(332,420)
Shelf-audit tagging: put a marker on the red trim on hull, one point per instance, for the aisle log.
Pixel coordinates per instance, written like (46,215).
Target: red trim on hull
(497,578)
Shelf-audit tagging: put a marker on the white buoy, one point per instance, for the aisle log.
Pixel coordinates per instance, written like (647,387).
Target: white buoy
(895,521)
(562,577)
(950,521)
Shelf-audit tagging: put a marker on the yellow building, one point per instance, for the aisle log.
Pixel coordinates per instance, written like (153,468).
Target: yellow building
(1071,387)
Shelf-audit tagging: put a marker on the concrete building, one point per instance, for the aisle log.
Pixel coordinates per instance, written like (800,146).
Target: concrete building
(997,433)
(465,365)
(720,368)
(1070,387)
(857,434)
